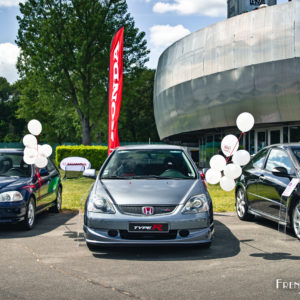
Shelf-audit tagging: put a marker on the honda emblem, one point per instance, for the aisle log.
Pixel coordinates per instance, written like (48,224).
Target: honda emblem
(148,210)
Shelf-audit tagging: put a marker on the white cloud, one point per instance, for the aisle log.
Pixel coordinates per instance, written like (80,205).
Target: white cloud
(10,3)
(211,8)
(165,35)
(8,59)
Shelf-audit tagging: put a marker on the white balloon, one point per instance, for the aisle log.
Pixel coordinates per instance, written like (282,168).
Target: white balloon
(30,152)
(30,141)
(45,150)
(245,122)
(241,157)
(29,160)
(217,162)
(34,127)
(233,171)
(212,176)
(41,162)
(229,144)
(227,184)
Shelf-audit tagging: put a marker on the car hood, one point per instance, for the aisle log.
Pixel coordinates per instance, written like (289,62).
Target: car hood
(9,183)
(148,192)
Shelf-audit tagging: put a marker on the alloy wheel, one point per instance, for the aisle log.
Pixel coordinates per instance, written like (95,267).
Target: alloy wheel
(296,220)
(30,214)
(240,203)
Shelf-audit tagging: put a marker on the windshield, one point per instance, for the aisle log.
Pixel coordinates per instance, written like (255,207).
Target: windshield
(149,164)
(13,165)
(296,151)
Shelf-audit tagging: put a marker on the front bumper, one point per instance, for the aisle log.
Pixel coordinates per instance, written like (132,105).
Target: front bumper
(12,212)
(97,227)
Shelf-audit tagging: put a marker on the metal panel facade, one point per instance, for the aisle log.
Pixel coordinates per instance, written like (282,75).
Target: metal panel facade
(247,63)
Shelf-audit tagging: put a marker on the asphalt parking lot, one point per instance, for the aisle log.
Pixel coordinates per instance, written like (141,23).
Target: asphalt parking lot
(246,260)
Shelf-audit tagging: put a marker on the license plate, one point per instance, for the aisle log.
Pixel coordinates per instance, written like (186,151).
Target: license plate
(148,227)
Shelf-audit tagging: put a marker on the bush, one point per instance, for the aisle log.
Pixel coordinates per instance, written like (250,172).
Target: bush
(95,154)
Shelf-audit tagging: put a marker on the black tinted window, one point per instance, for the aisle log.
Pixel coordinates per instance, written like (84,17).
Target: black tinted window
(296,151)
(259,159)
(12,164)
(279,158)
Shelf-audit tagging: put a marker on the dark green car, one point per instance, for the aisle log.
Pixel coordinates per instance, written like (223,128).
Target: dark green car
(264,179)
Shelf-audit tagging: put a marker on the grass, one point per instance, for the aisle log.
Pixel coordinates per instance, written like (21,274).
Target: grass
(222,201)
(76,190)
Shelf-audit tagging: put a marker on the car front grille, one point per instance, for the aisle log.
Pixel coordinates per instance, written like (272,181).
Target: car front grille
(137,210)
(171,235)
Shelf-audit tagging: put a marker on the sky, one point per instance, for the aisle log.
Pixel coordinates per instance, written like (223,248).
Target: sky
(163,21)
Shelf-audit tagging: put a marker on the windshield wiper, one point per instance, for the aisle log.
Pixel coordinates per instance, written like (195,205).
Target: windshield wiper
(114,177)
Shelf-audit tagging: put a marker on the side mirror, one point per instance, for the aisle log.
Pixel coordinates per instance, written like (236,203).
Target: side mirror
(90,173)
(280,171)
(43,172)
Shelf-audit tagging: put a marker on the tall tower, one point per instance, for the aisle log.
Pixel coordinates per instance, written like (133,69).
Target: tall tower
(237,7)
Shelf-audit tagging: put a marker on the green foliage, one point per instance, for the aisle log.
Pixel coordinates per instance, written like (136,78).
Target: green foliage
(65,54)
(60,121)
(11,128)
(96,155)
(136,122)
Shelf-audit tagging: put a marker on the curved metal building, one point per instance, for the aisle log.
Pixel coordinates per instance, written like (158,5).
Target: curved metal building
(250,62)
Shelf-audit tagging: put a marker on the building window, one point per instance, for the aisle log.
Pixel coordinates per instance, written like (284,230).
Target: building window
(295,134)
(251,144)
(285,134)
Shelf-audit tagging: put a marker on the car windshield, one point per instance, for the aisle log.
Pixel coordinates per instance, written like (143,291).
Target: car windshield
(296,151)
(13,165)
(149,164)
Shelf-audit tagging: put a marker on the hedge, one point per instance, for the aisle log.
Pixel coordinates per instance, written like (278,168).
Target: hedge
(95,154)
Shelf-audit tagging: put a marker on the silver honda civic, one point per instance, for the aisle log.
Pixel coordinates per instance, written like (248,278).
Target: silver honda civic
(149,194)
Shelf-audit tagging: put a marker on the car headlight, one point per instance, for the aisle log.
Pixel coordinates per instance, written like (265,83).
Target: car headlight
(11,196)
(196,204)
(99,204)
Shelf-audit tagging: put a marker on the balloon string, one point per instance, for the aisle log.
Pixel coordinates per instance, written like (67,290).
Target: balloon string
(227,159)
(39,178)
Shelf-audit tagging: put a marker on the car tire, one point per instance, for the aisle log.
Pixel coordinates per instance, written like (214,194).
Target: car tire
(56,208)
(241,206)
(92,247)
(296,219)
(29,221)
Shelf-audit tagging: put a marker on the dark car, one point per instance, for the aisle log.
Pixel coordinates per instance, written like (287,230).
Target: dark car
(24,192)
(264,179)
(148,194)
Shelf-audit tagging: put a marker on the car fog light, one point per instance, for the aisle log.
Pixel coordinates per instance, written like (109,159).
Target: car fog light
(184,233)
(112,233)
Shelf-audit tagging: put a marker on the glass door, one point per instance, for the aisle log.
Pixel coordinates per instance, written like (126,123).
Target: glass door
(275,136)
(261,140)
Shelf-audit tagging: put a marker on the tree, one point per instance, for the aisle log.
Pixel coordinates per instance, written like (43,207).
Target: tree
(65,52)
(60,123)
(11,128)
(136,122)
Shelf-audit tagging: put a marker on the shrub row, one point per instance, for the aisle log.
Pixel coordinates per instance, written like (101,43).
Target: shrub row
(95,154)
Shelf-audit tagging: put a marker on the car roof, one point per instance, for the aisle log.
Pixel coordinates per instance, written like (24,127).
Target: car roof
(284,145)
(11,150)
(149,147)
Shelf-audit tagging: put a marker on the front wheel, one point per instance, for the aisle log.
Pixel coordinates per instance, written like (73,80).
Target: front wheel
(242,207)
(296,220)
(29,221)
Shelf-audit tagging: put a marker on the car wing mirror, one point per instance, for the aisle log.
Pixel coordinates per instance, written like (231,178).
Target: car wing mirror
(43,172)
(280,171)
(90,173)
